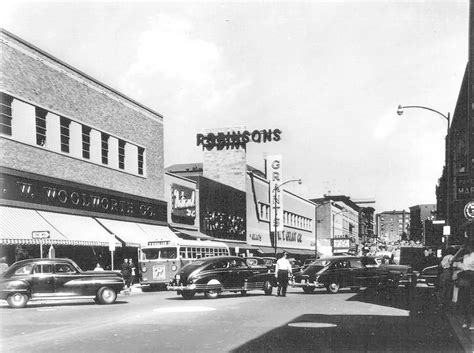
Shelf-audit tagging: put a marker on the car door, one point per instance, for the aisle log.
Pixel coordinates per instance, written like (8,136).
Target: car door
(358,273)
(64,275)
(339,272)
(238,272)
(42,281)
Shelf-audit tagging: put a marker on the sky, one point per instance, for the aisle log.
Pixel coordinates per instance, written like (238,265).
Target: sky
(328,74)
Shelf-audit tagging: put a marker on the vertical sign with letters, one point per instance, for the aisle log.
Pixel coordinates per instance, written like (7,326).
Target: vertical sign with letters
(275,176)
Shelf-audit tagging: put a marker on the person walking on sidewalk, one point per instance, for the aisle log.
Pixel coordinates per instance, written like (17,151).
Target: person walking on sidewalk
(465,282)
(125,270)
(132,272)
(445,290)
(282,273)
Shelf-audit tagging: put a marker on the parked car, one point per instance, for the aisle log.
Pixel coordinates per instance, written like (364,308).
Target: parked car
(267,262)
(46,279)
(398,274)
(336,272)
(215,275)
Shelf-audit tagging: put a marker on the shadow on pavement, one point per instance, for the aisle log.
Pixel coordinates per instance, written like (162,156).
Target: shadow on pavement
(424,329)
(357,333)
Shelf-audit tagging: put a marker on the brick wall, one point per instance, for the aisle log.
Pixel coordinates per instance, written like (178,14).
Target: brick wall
(34,76)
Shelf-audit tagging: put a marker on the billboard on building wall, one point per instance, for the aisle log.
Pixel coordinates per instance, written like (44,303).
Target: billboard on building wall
(183,204)
(222,210)
(275,176)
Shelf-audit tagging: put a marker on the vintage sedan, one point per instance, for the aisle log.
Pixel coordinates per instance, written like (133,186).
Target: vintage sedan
(336,272)
(215,275)
(51,279)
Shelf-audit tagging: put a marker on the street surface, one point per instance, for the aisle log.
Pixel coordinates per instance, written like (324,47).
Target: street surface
(363,321)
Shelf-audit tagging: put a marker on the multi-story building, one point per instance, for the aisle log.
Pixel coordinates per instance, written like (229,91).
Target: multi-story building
(81,165)
(393,226)
(337,224)
(418,215)
(455,192)
(366,225)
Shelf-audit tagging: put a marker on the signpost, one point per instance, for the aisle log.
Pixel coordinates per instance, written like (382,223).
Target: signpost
(40,234)
(112,249)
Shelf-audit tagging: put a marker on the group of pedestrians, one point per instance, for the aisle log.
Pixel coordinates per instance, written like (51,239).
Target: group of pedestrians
(456,281)
(128,271)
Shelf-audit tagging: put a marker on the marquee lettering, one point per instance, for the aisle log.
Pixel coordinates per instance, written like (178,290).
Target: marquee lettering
(236,140)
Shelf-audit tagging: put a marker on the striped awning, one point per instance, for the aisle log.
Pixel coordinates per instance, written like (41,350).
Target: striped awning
(128,232)
(18,224)
(158,233)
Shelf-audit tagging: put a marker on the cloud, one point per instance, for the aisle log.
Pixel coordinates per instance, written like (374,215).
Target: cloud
(169,52)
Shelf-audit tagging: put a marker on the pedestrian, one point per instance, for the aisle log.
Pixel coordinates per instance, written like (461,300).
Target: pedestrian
(464,283)
(3,264)
(445,288)
(132,271)
(125,271)
(282,274)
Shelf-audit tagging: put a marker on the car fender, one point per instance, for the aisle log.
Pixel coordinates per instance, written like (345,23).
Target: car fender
(15,286)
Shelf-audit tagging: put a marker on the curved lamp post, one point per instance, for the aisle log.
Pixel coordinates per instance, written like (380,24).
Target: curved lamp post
(447,159)
(275,189)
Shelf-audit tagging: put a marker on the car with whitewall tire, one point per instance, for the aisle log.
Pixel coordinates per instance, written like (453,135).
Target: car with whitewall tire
(57,279)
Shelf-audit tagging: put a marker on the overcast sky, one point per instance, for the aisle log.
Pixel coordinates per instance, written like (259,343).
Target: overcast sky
(330,75)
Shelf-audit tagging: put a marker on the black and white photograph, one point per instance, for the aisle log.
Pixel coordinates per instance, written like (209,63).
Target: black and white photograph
(237,176)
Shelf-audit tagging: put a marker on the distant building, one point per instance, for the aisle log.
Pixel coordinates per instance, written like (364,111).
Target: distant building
(393,226)
(418,215)
(337,224)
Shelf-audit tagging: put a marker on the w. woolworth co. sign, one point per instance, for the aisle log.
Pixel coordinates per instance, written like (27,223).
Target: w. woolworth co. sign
(236,139)
(48,192)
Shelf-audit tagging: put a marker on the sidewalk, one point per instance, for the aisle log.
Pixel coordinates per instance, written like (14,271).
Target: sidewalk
(465,336)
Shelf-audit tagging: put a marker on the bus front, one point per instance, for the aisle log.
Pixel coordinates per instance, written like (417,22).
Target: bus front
(158,264)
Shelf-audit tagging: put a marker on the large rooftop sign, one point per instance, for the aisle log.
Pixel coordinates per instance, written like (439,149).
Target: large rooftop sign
(236,139)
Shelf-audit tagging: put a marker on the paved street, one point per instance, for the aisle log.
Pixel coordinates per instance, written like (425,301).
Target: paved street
(164,322)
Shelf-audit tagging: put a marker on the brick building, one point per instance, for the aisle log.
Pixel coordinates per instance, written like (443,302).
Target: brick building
(393,226)
(81,163)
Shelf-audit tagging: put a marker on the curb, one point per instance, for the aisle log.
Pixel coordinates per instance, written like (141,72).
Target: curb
(463,335)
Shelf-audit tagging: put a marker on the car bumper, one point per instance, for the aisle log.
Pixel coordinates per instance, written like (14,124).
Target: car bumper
(308,284)
(180,288)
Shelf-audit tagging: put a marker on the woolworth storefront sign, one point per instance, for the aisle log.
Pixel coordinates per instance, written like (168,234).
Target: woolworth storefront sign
(39,190)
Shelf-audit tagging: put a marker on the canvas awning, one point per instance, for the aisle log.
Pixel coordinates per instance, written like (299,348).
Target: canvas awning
(21,225)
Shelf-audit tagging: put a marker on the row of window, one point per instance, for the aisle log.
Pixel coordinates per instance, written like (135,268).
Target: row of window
(289,219)
(86,144)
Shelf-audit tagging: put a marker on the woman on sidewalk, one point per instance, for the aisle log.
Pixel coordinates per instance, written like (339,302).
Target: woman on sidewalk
(464,282)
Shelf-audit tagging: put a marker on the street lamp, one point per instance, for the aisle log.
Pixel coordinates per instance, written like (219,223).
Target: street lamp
(447,158)
(275,199)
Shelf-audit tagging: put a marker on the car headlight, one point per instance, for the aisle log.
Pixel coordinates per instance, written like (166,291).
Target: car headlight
(178,277)
(174,268)
(143,268)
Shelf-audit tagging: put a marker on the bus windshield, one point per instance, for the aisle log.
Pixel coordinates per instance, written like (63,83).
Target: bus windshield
(167,253)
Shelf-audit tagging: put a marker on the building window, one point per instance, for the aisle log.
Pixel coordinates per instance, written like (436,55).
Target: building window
(86,142)
(121,154)
(105,148)
(65,123)
(40,126)
(6,114)
(141,152)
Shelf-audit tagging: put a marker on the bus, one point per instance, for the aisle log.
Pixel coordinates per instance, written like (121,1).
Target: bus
(160,261)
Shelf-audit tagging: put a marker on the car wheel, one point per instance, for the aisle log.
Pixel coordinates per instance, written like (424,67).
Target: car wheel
(213,293)
(267,288)
(308,290)
(333,287)
(188,294)
(106,295)
(17,300)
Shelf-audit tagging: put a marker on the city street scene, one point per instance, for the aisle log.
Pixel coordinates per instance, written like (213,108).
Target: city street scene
(241,176)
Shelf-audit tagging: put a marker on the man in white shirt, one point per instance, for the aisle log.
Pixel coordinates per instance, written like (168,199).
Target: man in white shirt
(282,273)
